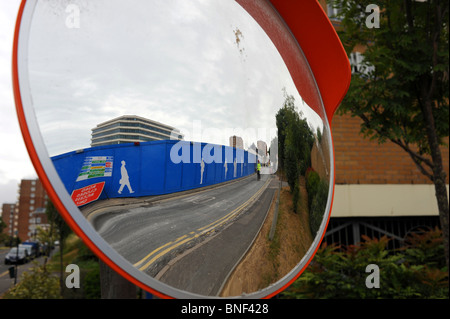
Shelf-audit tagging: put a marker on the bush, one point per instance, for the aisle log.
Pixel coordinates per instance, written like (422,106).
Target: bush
(89,273)
(35,284)
(425,247)
(296,197)
(317,199)
(92,288)
(317,207)
(312,185)
(89,282)
(291,166)
(340,272)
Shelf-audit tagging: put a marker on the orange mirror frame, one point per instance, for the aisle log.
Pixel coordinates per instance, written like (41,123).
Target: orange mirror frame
(318,40)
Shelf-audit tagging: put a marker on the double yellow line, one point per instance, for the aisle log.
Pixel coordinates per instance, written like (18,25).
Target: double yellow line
(145,262)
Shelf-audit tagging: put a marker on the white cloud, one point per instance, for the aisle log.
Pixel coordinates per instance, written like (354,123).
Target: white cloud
(175,62)
(15,163)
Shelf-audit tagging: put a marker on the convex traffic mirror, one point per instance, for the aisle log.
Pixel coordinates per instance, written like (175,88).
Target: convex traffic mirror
(167,132)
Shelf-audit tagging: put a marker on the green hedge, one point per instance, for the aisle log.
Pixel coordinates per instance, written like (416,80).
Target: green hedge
(317,190)
(418,270)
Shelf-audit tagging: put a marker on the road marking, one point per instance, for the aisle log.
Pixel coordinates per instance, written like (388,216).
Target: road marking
(166,251)
(201,191)
(6,272)
(158,249)
(145,262)
(101,210)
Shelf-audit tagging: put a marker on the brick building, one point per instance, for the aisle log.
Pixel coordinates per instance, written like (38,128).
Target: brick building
(378,189)
(23,217)
(237,142)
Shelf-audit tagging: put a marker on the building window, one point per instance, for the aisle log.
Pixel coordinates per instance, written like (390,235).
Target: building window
(357,64)
(332,12)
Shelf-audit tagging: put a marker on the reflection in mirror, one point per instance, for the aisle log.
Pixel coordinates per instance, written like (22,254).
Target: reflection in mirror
(177,130)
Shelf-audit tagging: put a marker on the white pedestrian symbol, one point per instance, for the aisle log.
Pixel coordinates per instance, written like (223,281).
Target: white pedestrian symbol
(124,180)
(202,169)
(226,168)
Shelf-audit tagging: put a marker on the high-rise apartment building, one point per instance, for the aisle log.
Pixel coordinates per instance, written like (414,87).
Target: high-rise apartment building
(23,217)
(236,142)
(130,129)
(30,208)
(262,151)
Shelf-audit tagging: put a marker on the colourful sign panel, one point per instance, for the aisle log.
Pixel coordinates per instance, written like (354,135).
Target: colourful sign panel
(85,195)
(96,166)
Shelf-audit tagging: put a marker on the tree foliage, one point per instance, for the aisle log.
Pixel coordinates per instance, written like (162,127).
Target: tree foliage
(295,141)
(2,225)
(402,58)
(37,283)
(402,90)
(317,189)
(4,238)
(58,224)
(416,271)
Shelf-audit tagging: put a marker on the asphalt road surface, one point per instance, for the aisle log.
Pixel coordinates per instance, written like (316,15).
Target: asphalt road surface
(205,269)
(151,233)
(5,281)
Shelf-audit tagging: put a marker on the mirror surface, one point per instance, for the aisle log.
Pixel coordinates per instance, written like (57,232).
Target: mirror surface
(137,103)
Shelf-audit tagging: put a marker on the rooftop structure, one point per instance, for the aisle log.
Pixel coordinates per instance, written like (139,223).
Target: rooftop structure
(130,129)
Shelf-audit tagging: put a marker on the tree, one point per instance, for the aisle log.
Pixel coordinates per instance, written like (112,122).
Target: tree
(63,230)
(2,225)
(283,117)
(3,237)
(401,93)
(46,236)
(295,137)
(295,140)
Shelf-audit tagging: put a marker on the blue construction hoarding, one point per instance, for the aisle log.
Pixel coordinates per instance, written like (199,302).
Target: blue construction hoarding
(150,168)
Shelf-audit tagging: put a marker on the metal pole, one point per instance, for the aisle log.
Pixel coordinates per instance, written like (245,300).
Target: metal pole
(17,260)
(114,286)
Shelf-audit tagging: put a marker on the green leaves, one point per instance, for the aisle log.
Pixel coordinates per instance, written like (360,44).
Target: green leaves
(410,57)
(35,284)
(295,140)
(416,271)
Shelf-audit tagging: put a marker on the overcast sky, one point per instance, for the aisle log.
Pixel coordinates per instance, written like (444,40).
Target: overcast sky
(15,163)
(176,62)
